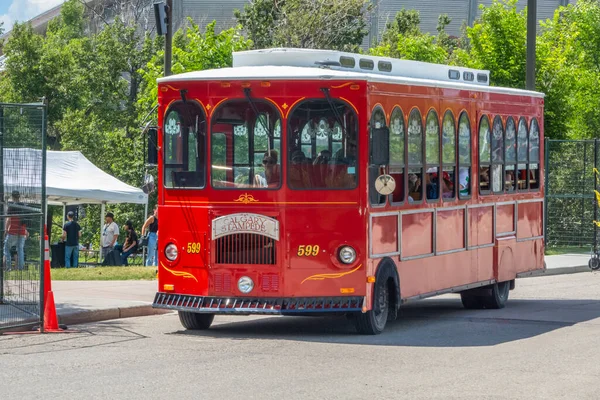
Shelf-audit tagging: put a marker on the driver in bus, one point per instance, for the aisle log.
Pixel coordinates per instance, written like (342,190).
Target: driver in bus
(270,178)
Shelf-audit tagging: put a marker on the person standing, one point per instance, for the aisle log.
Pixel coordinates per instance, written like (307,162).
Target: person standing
(16,233)
(110,234)
(72,233)
(131,242)
(151,225)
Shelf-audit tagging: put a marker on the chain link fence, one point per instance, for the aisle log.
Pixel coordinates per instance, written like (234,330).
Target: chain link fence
(22,206)
(570,199)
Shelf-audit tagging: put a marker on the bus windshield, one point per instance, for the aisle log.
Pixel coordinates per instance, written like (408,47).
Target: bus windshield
(322,145)
(184,140)
(246,147)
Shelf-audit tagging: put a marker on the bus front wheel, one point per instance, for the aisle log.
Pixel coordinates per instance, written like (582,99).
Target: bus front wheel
(195,321)
(373,321)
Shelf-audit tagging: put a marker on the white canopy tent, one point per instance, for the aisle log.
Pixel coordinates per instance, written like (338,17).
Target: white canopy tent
(70,179)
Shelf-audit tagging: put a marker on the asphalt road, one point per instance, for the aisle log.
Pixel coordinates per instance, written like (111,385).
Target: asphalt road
(544,345)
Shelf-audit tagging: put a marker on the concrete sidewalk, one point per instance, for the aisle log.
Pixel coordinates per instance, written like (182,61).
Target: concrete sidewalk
(90,301)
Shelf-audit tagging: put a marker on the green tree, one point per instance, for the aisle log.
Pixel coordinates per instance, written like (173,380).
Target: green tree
(569,47)
(497,42)
(315,24)
(403,38)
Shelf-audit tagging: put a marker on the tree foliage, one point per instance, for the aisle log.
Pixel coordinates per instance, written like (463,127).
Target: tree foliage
(403,38)
(313,24)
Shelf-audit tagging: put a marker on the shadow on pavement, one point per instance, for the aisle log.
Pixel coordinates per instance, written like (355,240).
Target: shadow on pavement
(429,323)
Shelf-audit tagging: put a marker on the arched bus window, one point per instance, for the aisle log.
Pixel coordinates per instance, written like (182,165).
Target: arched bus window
(464,156)
(485,150)
(448,182)
(397,133)
(415,156)
(510,155)
(432,155)
(534,155)
(245,151)
(322,145)
(184,132)
(522,156)
(377,122)
(497,156)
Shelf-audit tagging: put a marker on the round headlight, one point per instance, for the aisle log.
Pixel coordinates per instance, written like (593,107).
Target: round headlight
(171,252)
(245,284)
(347,255)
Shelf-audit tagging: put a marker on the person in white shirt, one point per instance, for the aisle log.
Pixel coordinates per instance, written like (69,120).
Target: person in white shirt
(110,233)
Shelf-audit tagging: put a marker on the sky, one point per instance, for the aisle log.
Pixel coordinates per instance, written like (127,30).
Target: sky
(23,10)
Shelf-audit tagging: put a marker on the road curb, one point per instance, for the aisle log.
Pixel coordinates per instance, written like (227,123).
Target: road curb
(87,316)
(559,271)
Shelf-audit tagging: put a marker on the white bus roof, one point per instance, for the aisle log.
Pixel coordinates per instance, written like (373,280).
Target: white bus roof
(308,64)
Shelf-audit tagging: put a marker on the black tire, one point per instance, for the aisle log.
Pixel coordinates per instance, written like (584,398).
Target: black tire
(471,302)
(498,296)
(594,263)
(195,321)
(492,297)
(373,321)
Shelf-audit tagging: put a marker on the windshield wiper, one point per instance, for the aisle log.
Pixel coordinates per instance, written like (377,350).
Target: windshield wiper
(258,117)
(336,112)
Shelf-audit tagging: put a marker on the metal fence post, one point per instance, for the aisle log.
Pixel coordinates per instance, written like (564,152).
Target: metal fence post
(546,189)
(43,219)
(2,202)
(595,200)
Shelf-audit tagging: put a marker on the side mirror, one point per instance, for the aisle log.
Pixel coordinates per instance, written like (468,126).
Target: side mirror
(380,146)
(152,146)
(148,186)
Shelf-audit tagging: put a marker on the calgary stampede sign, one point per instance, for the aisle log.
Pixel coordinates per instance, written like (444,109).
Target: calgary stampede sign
(245,223)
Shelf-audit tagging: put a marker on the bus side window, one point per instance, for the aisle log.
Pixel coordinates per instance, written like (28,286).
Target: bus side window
(464,156)
(534,155)
(510,155)
(497,156)
(484,155)
(448,157)
(415,156)
(397,133)
(522,156)
(432,155)
(377,122)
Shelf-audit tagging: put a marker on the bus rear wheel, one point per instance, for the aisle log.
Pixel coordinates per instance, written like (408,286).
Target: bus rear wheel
(373,321)
(195,321)
(493,296)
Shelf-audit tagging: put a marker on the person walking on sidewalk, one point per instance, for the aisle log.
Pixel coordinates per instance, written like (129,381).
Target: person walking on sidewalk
(151,225)
(72,233)
(110,233)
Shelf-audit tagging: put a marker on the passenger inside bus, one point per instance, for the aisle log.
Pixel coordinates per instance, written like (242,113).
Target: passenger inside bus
(484,178)
(270,178)
(463,181)
(414,188)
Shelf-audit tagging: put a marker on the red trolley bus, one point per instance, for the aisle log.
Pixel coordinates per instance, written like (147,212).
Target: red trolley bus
(310,181)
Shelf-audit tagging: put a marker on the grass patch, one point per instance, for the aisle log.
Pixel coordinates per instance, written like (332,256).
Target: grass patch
(556,251)
(104,274)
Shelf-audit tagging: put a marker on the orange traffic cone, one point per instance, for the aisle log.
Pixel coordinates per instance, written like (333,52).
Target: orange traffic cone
(50,318)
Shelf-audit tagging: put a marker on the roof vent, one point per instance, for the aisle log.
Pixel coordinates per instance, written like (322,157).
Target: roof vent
(327,64)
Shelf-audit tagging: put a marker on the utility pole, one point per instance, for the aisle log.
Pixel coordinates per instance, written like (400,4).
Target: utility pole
(531,36)
(169,38)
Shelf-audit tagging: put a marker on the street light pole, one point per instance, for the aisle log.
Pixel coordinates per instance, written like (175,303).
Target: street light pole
(531,36)
(169,37)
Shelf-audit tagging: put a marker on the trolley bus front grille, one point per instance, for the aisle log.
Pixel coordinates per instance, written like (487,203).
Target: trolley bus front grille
(246,248)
